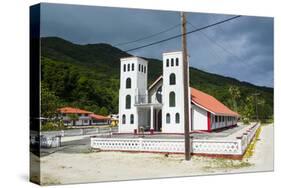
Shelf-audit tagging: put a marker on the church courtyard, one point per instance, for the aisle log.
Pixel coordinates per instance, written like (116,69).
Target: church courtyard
(76,162)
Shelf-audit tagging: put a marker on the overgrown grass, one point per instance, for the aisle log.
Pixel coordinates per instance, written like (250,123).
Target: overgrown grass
(251,147)
(52,126)
(267,122)
(219,163)
(226,164)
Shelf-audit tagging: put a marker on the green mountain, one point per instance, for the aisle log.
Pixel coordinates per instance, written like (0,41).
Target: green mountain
(87,76)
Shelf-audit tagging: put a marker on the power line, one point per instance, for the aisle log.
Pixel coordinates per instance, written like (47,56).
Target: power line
(213,51)
(149,36)
(179,35)
(216,43)
(227,47)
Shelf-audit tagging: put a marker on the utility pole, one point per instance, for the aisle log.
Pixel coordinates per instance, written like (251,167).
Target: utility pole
(185,88)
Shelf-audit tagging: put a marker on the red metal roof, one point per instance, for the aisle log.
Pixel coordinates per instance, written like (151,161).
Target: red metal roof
(205,101)
(210,103)
(70,110)
(99,117)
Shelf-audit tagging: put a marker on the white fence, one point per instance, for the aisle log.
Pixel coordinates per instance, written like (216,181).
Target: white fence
(138,144)
(50,142)
(51,139)
(219,147)
(247,137)
(168,145)
(79,132)
(199,146)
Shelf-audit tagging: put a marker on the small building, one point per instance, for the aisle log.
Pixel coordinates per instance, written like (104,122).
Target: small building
(78,117)
(74,116)
(99,119)
(160,107)
(114,119)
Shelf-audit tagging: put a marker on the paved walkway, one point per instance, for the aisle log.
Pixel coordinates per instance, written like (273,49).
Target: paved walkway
(263,156)
(240,132)
(229,133)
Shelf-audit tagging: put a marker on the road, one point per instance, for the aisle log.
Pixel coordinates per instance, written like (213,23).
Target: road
(263,156)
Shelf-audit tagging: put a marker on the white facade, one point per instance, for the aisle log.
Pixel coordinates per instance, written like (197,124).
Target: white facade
(160,108)
(173,94)
(199,118)
(133,89)
(218,122)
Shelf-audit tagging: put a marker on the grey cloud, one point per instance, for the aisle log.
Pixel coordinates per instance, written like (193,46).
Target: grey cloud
(249,39)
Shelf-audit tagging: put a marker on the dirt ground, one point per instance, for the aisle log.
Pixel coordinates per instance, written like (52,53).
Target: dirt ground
(83,165)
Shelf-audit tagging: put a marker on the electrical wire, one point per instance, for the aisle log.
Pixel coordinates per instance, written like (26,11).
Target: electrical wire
(179,35)
(216,43)
(147,37)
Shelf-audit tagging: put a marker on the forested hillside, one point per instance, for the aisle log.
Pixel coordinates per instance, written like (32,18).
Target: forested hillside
(87,76)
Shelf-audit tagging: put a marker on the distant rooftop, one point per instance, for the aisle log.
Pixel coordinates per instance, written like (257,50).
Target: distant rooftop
(71,110)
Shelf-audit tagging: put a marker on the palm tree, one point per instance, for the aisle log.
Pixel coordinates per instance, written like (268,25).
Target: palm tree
(235,95)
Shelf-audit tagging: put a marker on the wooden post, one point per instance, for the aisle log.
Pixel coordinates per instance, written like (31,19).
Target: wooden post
(185,88)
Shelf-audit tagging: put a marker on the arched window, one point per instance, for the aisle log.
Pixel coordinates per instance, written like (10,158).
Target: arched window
(177,118)
(167,62)
(144,69)
(172,99)
(177,61)
(124,68)
(172,79)
(168,118)
(124,119)
(141,68)
(159,94)
(128,83)
(133,67)
(128,67)
(132,118)
(172,62)
(128,101)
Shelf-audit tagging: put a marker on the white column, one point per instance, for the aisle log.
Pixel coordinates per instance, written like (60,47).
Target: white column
(151,118)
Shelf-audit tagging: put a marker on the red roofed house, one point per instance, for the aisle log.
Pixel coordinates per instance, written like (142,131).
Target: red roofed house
(83,117)
(99,119)
(160,106)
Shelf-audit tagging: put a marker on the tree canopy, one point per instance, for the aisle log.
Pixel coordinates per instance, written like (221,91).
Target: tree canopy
(87,77)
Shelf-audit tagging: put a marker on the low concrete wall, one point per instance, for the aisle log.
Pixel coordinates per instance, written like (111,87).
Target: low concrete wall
(52,139)
(247,137)
(226,147)
(79,132)
(50,142)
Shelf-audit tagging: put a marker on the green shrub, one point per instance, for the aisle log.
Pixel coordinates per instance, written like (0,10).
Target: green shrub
(246,121)
(52,126)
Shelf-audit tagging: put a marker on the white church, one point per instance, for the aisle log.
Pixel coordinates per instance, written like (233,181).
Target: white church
(159,107)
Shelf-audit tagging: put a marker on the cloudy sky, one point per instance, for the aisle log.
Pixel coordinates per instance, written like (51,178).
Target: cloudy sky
(241,48)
